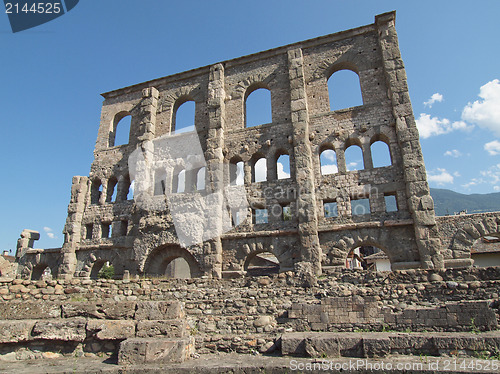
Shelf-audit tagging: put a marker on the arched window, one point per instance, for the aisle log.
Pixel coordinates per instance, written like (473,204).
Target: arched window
(258,107)
(328,162)
(283,166)
(184,116)
(96,191)
(124,190)
(121,129)
(381,155)
(200,179)
(179,182)
(353,158)
(344,90)
(236,172)
(259,170)
(263,263)
(111,190)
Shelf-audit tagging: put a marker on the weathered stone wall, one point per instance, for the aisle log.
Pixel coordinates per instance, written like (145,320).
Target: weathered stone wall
(104,225)
(252,313)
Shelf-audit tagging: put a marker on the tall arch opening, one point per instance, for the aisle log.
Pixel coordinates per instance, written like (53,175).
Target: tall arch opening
(353,157)
(111,190)
(381,155)
(259,169)
(95,191)
(121,129)
(368,257)
(236,172)
(41,271)
(328,161)
(344,90)
(183,119)
(258,109)
(283,166)
(172,261)
(200,179)
(261,263)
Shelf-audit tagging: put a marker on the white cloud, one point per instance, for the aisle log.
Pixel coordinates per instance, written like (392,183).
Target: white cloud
(489,176)
(435,98)
(486,111)
(329,169)
(493,147)
(430,126)
(351,166)
(49,232)
(441,178)
(453,153)
(282,174)
(457,174)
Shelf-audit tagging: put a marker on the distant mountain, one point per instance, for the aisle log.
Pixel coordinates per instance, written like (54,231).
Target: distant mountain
(450,202)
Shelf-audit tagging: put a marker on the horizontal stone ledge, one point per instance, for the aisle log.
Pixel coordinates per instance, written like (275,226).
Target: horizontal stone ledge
(458,263)
(381,344)
(363,225)
(406,265)
(253,234)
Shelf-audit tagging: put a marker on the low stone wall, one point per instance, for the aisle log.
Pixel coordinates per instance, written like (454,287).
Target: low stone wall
(348,312)
(250,314)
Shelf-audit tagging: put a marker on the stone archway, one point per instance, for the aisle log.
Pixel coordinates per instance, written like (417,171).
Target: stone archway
(261,263)
(465,237)
(40,271)
(172,261)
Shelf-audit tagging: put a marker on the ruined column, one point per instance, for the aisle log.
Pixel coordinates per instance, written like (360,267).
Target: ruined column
(147,112)
(73,226)
(420,203)
(310,250)
(214,158)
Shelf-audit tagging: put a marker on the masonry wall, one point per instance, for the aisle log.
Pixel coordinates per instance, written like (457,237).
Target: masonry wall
(245,314)
(106,225)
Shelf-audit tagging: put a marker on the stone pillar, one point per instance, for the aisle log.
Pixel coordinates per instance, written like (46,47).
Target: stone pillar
(420,203)
(310,250)
(26,241)
(214,158)
(147,120)
(73,227)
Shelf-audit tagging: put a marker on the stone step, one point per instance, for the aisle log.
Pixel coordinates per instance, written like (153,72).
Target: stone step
(138,310)
(381,344)
(78,329)
(155,350)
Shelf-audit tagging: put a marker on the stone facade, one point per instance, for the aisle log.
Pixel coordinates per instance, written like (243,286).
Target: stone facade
(106,225)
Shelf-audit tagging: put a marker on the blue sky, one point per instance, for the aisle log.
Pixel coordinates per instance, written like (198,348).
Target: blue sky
(52,76)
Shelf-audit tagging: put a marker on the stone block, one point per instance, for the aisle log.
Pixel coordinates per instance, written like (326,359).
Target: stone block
(71,329)
(111,330)
(152,350)
(29,310)
(173,328)
(377,346)
(15,331)
(159,310)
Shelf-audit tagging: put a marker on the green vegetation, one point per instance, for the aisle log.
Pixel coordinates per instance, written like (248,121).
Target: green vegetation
(107,272)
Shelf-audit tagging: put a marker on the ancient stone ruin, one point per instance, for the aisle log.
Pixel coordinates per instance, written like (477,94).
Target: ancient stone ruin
(216,205)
